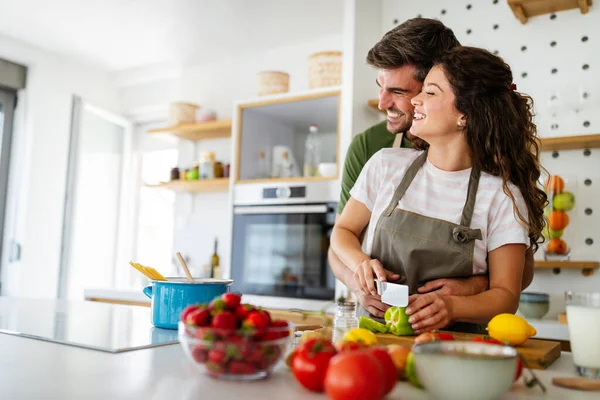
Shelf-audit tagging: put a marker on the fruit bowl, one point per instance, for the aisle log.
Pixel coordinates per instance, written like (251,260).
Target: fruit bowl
(240,354)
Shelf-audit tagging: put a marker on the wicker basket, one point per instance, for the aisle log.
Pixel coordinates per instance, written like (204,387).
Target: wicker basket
(182,113)
(271,82)
(325,69)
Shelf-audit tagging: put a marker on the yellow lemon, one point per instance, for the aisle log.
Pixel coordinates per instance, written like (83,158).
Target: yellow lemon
(510,328)
(360,335)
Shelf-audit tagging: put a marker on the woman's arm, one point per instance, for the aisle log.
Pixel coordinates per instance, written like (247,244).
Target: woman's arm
(505,264)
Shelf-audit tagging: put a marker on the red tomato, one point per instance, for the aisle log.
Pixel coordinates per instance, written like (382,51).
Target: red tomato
(311,361)
(486,340)
(519,368)
(390,373)
(354,375)
(444,336)
(350,346)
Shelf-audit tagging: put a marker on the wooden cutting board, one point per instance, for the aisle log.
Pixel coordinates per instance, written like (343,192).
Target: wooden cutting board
(539,354)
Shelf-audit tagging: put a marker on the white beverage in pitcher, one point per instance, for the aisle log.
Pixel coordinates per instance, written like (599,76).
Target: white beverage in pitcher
(583,318)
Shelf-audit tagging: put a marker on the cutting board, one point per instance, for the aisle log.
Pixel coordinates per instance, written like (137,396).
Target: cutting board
(539,354)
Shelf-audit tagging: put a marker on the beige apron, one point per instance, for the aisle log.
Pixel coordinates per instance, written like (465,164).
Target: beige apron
(421,249)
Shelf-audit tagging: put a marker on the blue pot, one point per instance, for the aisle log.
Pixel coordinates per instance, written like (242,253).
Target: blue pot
(169,298)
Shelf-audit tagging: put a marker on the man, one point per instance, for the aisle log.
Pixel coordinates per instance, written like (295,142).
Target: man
(403,57)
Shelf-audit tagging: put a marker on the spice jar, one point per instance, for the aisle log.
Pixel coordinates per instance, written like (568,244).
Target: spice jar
(226,170)
(207,165)
(174,174)
(219,169)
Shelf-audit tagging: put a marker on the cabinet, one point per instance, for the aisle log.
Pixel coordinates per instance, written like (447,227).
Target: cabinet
(281,124)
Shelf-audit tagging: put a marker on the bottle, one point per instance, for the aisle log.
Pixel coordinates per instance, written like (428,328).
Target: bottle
(286,168)
(262,166)
(345,319)
(311,152)
(215,271)
(207,165)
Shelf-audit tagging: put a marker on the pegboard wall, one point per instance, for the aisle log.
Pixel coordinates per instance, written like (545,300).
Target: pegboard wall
(555,58)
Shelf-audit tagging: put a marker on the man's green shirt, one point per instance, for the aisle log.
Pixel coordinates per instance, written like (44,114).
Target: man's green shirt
(362,148)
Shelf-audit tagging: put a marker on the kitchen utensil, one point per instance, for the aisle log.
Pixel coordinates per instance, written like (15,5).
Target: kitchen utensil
(577,383)
(264,354)
(149,272)
(534,305)
(392,293)
(460,370)
(170,297)
(185,268)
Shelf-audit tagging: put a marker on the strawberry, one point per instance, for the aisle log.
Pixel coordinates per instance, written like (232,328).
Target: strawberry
(198,317)
(254,356)
(232,300)
(187,311)
(242,311)
(241,368)
(216,305)
(214,369)
(205,334)
(256,320)
(224,320)
(200,354)
(282,327)
(217,356)
(237,348)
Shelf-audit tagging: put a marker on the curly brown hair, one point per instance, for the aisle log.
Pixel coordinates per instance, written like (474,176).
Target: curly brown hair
(417,41)
(499,129)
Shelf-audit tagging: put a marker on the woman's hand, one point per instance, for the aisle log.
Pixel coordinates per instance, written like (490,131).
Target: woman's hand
(429,311)
(367,271)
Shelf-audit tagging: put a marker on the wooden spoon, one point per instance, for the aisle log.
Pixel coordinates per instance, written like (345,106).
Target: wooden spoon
(577,383)
(185,268)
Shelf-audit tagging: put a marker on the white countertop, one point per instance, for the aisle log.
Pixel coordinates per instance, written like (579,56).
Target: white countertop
(35,369)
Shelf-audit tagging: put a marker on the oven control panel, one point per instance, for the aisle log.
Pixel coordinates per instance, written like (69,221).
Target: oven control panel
(284,192)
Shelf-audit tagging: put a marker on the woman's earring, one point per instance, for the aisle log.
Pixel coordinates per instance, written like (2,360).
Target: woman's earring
(459,123)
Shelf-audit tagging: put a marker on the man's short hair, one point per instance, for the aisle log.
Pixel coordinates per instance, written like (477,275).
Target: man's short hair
(417,41)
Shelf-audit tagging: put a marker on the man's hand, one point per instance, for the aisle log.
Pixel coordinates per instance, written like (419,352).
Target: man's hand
(371,303)
(457,286)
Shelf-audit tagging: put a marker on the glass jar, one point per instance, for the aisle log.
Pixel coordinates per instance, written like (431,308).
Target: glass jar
(561,202)
(174,174)
(344,320)
(226,170)
(219,170)
(207,165)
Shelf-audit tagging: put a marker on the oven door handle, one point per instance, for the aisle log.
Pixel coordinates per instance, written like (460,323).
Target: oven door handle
(299,209)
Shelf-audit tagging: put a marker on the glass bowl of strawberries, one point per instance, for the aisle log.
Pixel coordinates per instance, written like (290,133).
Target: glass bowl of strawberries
(230,340)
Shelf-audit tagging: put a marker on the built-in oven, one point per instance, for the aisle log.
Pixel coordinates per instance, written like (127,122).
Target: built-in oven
(280,245)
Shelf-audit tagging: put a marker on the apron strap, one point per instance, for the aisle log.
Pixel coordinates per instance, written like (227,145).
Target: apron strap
(410,174)
(398,140)
(467,213)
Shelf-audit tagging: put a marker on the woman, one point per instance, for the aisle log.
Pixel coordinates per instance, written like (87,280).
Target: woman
(464,202)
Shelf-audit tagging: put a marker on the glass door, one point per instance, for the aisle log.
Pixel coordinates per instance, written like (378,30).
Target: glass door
(7,105)
(96,241)
(281,250)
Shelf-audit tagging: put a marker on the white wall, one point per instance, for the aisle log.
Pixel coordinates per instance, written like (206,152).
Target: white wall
(215,85)
(527,49)
(39,162)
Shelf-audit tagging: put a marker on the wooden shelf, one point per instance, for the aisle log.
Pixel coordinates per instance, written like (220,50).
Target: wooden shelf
(525,9)
(198,131)
(294,179)
(571,142)
(586,267)
(196,186)
(375,104)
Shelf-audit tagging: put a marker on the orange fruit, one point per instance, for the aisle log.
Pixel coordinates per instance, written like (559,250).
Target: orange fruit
(556,246)
(555,184)
(558,220)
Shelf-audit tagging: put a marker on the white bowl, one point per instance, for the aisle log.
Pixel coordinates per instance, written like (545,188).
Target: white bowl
(461,370)
(327,169)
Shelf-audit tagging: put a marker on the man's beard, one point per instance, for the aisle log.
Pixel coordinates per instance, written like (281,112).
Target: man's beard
(403,127)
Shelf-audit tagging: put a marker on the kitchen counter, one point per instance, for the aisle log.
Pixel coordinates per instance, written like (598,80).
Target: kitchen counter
(35,369)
